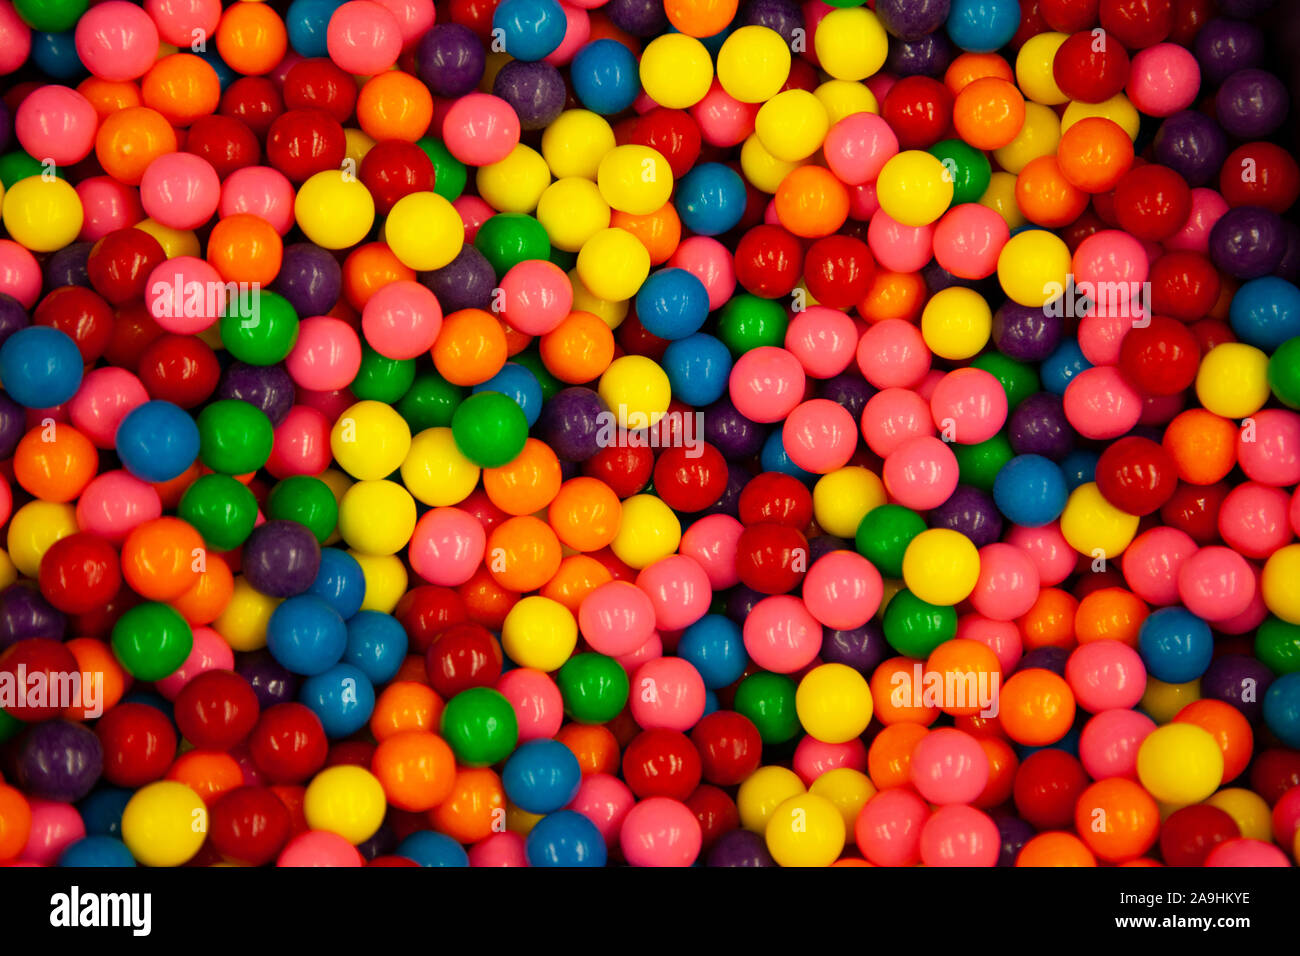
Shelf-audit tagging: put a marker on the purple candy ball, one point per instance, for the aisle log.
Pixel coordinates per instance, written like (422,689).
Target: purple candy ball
(971,512)
(60,760)
(740,848)
(863,648)
(1038,426)
(850,390)
(1252,104)
(741,601)
(1248,242)
(1192,145)
(1224,46)
(68,266)
(12,318)
(1015,833)
(24,613)
(571,423)
(310,279)
(1289,267)
(1240,681)
(281,558)
(464,283)
(912,19)
(451,60)
(535,91)
(271,681)
(731,432)
(1044,658)
(1025,333)
(780,16)
(268,387)
(1245,8)
(925,56)
(729,502)
(641,18)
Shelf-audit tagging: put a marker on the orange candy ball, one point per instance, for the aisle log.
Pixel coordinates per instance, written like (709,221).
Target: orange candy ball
(1230,729)
(1117,819)
(579,349)
(523,553)
(182,87)
(1203,446)
(55,462)
(578,576)
(161,558)
(956,658)
(585,514)
(884,690)
(528,483)
(208,597)
(369,268)
(593,744)
(395,105)
(130,139)
(1110,614)
(251,38)
(97,659)
(1050,622)
(416,769)
(405,706)
(1036,707)
(471,347)
(1056,848)
(889,759)
(1046,197)
(988,112)
(660,231)
(811,202)
(245,248)
(475,807)
(1094,154)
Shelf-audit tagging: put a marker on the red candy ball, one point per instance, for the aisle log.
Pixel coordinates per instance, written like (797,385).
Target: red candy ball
(288,744)
(302,143)
(769,261)
(729,746)
(771,558)
(249,825)
(1160,358)
(80,573)
(690,479)
(463,656)
(1136,475)
(661,763)
(1090,68)
(1152,202)
(139,743)
(216,710)
(1048,785)
(838,270)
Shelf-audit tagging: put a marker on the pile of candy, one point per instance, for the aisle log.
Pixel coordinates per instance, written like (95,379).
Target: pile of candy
(661,432)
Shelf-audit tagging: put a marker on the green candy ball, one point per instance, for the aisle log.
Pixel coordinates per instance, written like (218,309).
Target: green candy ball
(768,700)
(51,16)
(221,509)
(260,332)
(430,402)
(1277,645)
(151,641)
(235,437)
(449,173)
(980,463)
(748,322)
(509,238)
(1018,380)
(968,167)
(490,429)
(480,727)
(594,688)
(307,501)
(382,379)
(1284,372)
(884,534)
(915,628)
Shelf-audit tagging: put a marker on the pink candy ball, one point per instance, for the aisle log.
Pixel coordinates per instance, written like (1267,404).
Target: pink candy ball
(892,416)
(326,356)
(858,146)
(888,828)
(185,295)
(813,757)
(968,239)
(319,848)
(1163,79)
(55,827)
(504,848)
(401,320)
(897,247)
(1001,637)
(414,18)
(260,191)
(537,296)
(616,618)
(1216,583)
(117,41)
(667,692)
(15,38)
(1109,742)
(1271,454)
(114,503)
(105,397)
(20,274)
(660,832)
(1244,852)
(824,341)
(1007,586)
(604,800)
(447,546)
(969,406)
(1105,675)
(1151,564)
(480,129)
(56,123)
(712,542)
(820,436)
(781,635)
(180,190)
(679,589)
(710,262)
(723,120)
(577,31)
(178,19)
(210,652)
(363,37)
(1101,404)
(1048,549)
(536,700)
(892,354)
(107,205)
(1207,208)
(301,444)
(766,384)
(921,473)
(1253,519)
(949,766)
(842,590)
(960,836)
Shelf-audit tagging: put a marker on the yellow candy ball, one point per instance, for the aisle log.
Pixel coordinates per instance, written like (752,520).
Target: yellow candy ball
(1039,135)
(42,214)
(175,242)
(333,209)
(1248,810)
(164,824)
(1001,198)
(1233,380)
(1280,583)
(576,142)
(1034,69)
(516,183)
(377,517)
(1095,527)
(1180,764)
(424,231)
(806,830)
(763,170)
(1032,267)
(347,800)
(34,528)
(386,580)
(435,471)
(612,313)
(636,391)
(846,788)
(243,623)
(1162,701)
(753,64)
(572,210)
(842,498)
(833,703)
(762,792)
(648,530)
(676,71)
(851,44)
(792,125)
(635,179)
(941,566)
(1118,109)
(539,633)
(612,264)
(914,188)
(370,440)
(956,323)
(844,98)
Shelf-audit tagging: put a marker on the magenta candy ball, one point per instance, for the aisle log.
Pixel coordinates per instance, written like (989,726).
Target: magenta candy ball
(1163,79)
(892,354)
(616,618)
(1271,455)
(969,406)
(897,247)
(363,37)
(1216,583)
(537,296)
(960,836)
(888,828)
(185,295)
(678,588)
(1109,742)
(712,542)
(259,191)
(1105,675)
(824,341)
(710,262)
(1253,519)
(949,766)
(326,356)
(813,757)
(667,692)
(660,832)
(536,700)
(1048,549)
(105,397)
(1001,637)
(766,384)
(447,546)
(892,416)
(114,503)
(820,436)
(781,635)
(210,652)
(1008,582)
(503,848)
(1101,404)
(401,320)
(107,205)
(842,590)
(921,473)
(604,800)
(57,123)
(319,848)
(116,41)
(480,129)
(858,146)
(1151,564)
(967,240)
